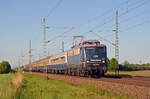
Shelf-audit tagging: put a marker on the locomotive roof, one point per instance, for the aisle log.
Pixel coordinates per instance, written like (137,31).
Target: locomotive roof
(42,59)
(101,45)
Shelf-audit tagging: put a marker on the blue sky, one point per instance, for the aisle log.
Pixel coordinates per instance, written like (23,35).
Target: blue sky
(21,21)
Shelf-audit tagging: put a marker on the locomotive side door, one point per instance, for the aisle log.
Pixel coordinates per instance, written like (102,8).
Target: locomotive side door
(82,57)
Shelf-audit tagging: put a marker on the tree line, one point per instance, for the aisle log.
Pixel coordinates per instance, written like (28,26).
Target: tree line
(126,66)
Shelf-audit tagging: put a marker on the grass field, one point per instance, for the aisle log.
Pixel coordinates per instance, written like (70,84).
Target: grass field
(6,89)
(133,73)
(37,87)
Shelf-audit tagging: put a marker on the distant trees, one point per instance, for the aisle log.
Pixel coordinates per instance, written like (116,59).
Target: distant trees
(5,67)
(126,66)
(148,64)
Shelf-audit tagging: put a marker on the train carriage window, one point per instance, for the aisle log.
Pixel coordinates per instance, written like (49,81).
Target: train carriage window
(70,53)
(62,57)
(76,51)
(103,50)
(49,61)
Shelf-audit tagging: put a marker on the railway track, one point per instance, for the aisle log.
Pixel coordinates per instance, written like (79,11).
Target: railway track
(145,82)
(137,81)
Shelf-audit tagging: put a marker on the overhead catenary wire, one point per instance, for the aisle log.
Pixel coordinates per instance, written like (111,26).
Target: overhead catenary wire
(122,14)
(111,19)
(53,9)
(60,35)
(136,25)
(103,38)
(66,44)
(102,15)
(128,19)
(54,46)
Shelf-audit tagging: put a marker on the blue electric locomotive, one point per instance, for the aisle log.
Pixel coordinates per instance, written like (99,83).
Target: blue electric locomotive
(87,59)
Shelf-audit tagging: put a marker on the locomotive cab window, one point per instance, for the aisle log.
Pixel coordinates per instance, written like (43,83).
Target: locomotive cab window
(95,53)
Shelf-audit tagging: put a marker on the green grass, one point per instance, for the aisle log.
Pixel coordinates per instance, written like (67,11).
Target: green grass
(37,87)
(6,90)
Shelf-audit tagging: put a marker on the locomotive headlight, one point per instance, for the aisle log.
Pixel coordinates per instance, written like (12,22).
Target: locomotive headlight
(103,61)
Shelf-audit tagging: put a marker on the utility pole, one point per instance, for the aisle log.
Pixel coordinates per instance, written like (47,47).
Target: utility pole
(22,58)
(44,44)
(30,65)
(44,39)
(63,46)
(19,64)
(117,43)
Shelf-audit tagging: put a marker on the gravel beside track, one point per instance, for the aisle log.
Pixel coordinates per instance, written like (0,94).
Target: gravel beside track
(137,88)
(130,81)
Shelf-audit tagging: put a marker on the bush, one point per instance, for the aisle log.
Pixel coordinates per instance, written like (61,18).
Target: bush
(5,67)
(112,64)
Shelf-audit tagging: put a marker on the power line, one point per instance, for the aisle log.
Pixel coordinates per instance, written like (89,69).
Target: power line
(136,25)
(105,22)
(131,9)
(133,17)
(130,18)
(110,34)
(102,38)
(57,27)
(139,5)
(53,9)
(66,44)
(102,15)
(58,36)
